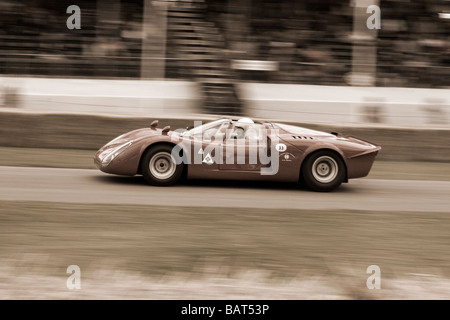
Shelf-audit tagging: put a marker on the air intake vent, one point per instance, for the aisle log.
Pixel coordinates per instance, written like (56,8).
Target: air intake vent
(302,137)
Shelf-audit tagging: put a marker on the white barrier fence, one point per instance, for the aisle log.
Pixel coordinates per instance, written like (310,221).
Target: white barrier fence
(296,103)
(330,104)
(108,97)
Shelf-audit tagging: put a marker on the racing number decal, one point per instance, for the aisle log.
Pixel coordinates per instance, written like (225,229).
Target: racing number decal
(281,147)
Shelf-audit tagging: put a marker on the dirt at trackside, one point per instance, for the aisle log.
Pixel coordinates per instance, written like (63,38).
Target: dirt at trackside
(229,250)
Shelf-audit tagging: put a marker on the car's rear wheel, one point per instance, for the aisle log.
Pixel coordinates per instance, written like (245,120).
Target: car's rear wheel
(159,168)
(323,171)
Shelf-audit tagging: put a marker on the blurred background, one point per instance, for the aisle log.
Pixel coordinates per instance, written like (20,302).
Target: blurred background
(66,92)
(251,57)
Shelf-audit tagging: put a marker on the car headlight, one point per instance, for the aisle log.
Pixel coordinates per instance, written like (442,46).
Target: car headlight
(108,155)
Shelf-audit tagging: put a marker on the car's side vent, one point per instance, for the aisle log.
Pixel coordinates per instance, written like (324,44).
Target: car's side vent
(302,137)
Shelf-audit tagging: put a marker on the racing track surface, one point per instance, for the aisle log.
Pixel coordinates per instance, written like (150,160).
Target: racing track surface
(92,186)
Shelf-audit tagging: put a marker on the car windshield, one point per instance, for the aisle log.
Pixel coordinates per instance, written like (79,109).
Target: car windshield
(201,129)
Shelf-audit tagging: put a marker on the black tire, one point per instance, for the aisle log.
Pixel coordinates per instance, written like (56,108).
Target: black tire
(158,167)
(323,171)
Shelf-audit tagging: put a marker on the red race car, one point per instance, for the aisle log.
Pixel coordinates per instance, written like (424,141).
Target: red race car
(239,150)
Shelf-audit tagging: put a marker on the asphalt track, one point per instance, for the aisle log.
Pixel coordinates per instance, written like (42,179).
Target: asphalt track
(93,186)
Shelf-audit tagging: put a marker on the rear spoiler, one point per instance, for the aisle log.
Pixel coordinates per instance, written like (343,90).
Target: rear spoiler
(340,135)
(366,141)
(375,149)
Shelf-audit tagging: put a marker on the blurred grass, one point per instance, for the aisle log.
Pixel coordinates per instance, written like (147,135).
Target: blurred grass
(83,159)
(414,170)
(161,240)
(51,158)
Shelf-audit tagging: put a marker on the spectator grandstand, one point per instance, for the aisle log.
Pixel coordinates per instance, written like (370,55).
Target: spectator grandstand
(220,43)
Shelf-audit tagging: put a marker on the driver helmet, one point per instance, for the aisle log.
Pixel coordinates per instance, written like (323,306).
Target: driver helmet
(245,120)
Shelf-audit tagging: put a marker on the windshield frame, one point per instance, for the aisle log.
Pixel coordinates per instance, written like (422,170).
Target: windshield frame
(204,127)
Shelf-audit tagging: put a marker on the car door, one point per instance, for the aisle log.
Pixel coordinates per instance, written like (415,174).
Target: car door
(247,152)
(206,150)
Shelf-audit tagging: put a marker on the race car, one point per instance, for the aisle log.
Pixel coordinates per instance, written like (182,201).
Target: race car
(239,149)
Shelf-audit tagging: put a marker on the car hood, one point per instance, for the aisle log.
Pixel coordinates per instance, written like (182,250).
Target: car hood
(134,135)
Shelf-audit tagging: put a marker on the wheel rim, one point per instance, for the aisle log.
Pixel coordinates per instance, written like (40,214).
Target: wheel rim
(325,169)
(162,165)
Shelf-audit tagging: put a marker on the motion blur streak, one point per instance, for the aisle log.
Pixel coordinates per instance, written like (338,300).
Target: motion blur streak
(65,92)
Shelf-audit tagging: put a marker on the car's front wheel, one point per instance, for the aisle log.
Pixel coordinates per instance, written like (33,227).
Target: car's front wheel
(159,168)
(323,171)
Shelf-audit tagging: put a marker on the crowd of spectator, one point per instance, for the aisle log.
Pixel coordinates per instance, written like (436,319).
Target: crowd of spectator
(309,41)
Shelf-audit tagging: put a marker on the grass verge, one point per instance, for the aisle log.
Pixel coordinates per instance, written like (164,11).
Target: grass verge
(158,240)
